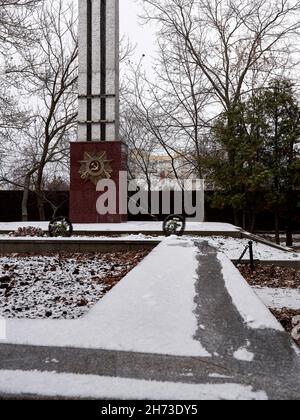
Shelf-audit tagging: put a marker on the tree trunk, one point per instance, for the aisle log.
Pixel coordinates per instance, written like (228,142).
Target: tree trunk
(244,220)
(277,231)
(253,222)
(40,204)
(291,205)
(289,232)
(289,238)
(236,217)
(25,199)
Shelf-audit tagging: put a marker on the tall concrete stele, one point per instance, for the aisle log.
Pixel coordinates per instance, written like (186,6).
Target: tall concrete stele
(98,153)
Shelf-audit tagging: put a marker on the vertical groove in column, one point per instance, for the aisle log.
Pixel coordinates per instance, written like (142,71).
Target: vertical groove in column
(89,70)
(103,69)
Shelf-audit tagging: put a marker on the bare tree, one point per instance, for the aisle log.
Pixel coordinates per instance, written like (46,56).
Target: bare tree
(142,147)
(17,30)
(16,25)
(170,111)
(49,76)
(235,46)
(229,40)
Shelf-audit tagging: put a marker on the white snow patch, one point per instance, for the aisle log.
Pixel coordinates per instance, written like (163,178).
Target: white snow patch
(84,386)
(41,284)
(150,311)
(279,298)
(244,355)
(218,376)
(188,375)
(234,247)
(296,348)
(254,312)
(47,361)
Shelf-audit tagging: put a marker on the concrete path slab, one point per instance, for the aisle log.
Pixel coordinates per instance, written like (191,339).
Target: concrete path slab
(183,324)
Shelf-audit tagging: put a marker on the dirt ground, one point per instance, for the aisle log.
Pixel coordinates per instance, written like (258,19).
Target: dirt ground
(285,317)
(271,276)
(60,286)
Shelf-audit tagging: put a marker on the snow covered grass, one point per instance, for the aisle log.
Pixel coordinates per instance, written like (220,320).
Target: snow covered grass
(59,286)
(279,298)
(233,248)
(278,287)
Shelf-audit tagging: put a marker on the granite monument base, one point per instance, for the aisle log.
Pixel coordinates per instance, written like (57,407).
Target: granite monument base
(112,159)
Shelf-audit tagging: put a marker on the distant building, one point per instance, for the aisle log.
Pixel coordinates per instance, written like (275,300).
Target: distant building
(160,166)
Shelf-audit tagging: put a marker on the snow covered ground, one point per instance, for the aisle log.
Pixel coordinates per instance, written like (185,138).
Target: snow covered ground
(42,287)
(233,248)
(58,286)
(151,310)
(296,239)
(279,298)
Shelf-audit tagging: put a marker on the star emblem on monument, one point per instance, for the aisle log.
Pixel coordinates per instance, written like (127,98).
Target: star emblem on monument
(95,167)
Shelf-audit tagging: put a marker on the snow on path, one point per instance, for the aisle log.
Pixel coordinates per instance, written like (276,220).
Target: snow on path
(244,355)
(279,298)
(150,311)
(254,312)
(99,387)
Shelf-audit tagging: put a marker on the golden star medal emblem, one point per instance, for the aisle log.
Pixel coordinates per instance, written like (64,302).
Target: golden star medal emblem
(95,167)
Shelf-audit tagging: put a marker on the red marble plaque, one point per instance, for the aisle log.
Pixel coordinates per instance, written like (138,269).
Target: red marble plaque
(83,194)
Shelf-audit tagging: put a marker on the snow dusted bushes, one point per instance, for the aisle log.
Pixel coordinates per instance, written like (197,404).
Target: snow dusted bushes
(29,231)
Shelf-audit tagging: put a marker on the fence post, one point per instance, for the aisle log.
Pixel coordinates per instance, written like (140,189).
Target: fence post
(251,256)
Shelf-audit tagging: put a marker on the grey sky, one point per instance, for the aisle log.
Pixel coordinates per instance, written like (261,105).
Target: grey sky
(130,25)
(142,35)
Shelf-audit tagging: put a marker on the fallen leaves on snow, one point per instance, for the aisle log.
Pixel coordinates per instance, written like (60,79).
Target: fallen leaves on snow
(59,286)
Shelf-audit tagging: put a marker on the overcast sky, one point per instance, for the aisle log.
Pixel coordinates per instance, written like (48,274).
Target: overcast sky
(140,35)
(130,24)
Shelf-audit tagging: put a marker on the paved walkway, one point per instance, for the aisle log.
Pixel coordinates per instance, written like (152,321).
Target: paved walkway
(246,354)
